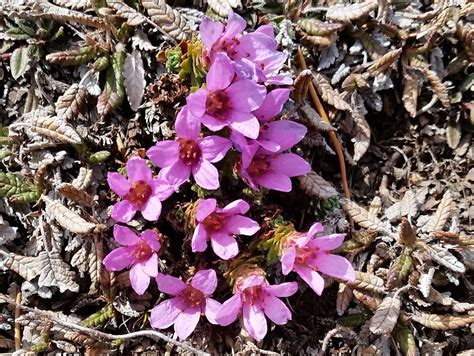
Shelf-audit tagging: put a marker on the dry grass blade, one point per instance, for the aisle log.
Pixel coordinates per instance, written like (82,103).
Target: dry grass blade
(367,281)
(344,298)
(134,18)
(316,187)
(84,179)
(363,217)
(46,10)
(70,103)
(348,13)
(170,20)
(75,194)
(301,86)
(438,87)
(67,218)
(328,94)
(223,7)
(384,62)
(442,214)
(56,129)
(443,322)
(386,316)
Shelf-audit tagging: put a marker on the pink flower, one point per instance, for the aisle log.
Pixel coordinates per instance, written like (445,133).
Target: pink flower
(272,171)
(256,298)
(307,254)
(220,226)
(189,153)
(139,252)
(226,103)
(140,192)
(190,301)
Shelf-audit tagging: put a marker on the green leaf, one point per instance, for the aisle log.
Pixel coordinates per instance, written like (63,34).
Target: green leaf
(10,185)
(19,62)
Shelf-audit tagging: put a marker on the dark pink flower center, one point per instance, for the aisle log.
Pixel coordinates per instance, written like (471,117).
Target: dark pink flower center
(217,104)
(189,151)
(303,254)
(192,296)
(229,46)
(259,166)
(253,295)
(141,251)
(215,222)
(139,193)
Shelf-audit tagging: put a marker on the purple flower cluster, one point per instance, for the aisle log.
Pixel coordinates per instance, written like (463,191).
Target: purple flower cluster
(242,114)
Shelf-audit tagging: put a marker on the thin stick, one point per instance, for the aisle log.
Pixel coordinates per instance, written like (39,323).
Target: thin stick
(17,325)
(332,135)
(152,334)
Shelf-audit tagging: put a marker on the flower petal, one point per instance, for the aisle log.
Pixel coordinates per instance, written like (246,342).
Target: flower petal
(151,238)
(244,123)
(137,170)
(224,246)
(213,123)
(205,208)
(118,259)
(254,321)
(274,181)
(165,313)
(150,266)
(306,238)
(214,148)
(151,210)
(267,30)
(124,211)
(161,188)
(238,206)
(235,25)
(206,175)
(187,125)
(311,277)
(205,280)
(199,239)
(125,236)
(229,311)
(211,309)
(187,321)
(164,153)
(282,290)
(118,183)
(220,74)
(276,310)
(246,95)
(288,260)
(139,279)
(327,243)
(285,133)
(169,284)
(334,266)
(197,102)
(210,32)
(290,164)
(252,281)
(273,104)
(176,174)
(242,225)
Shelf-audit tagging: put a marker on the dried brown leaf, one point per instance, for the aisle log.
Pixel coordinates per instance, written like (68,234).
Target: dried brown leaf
(316,187)
(411,90)
(75,194)
(84,178)
(170,20)
(442,214)
(70,103)
(312,117)
(319,41)
(349,13)
(363,217)
(353,82)
(375,206)
(407,234)
(386,316)
(67,218)
(453,134)
(443,322)
(55,272)
(438,87)
(445,258)
(134,81)
(424,282)
(223,7)
(28,267)
(314,27)
(362,128)
(56,129)
(367,281)
(368,299)
(384,62)
(301,85)
(73,4)
(344,298)
(134,18)
(328,94)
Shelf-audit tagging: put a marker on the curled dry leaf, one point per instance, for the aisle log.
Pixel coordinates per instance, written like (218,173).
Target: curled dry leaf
(328,94)
(442,214)
(73,4)
(134,18)
(363,217)
(170,20)
(134,81)
(362,128)
(316,187)
(443,322)
(411,90)
(438,87)
(67,218)
(453,134)
(73,57)
(349,13)
(301,85)
(223,7)
(75,194)
(84,178)
(95,266)
(384,62)
(314,27)
(386,316)
(56,129)
(19,62)
(368,299)
(70,103)
(319,41)
(344,298)
(28,267)
(445,258)
(367,281)
(312,117)
(55,272)
(407,234)
(424,282)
